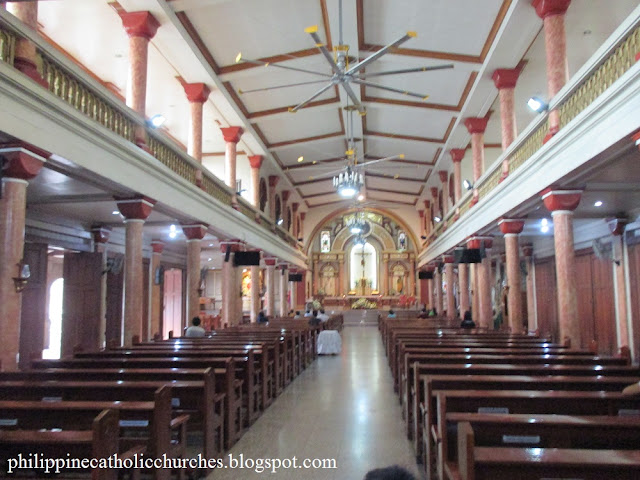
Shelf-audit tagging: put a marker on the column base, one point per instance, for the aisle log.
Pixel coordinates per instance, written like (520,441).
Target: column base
(30,69)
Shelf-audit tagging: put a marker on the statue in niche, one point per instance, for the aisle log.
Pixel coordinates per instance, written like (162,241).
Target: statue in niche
(325,241)
(402,241)
(328,281)
(398,278)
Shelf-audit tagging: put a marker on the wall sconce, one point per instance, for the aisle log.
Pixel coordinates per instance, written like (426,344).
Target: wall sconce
(24,273)
(467,185)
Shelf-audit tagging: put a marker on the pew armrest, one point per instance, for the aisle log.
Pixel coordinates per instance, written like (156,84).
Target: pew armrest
(179,421)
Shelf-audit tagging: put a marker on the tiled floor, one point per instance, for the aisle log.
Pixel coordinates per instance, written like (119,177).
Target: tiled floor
(341,407)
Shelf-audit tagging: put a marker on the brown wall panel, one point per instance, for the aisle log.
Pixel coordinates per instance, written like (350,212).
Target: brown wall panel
(634,281)
(115,292)
(604,312)
(34,304)
(584,292)
(546,297)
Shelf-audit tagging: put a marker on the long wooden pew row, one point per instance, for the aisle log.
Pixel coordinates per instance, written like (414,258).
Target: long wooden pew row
(147,428)
(529,402)
(100,441)
(218,393)
(504,463)
(252,374)
(536,431)
(205,419)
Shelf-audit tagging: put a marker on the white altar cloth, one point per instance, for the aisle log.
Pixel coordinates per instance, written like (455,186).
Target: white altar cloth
(329,342)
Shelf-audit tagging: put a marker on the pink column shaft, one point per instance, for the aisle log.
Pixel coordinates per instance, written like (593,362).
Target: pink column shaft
(514,296)
(284,283)
(27,13)
(438,295)
(12,221)
(133,280)
(230,293)
(477,150)
(508,123)
(483,286)
(457,181)
(271,290)
(137,87)
(532,321)
(255,293)
(463,279)
(194,146)
(156,298)
(193,278)
(255,186)
(473,278)
(568,320)
(555,41)
(621,292)
(230,165)
(451,300)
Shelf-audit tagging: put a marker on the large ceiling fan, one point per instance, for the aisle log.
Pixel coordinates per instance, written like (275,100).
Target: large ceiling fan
(342,73)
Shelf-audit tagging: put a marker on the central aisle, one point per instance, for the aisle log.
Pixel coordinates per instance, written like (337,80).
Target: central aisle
(340,407)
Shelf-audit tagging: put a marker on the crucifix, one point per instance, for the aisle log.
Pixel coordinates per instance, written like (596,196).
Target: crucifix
(363,254)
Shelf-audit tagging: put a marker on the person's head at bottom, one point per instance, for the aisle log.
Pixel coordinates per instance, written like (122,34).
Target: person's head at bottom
(394,472)
(195,321)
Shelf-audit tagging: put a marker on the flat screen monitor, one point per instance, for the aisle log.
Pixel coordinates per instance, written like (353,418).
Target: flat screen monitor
(246,258)
(295,277)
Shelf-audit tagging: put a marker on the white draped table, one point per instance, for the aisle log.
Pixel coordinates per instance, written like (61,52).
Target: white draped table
(329,342)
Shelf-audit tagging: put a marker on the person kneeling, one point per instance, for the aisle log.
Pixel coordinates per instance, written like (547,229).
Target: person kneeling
(467,322)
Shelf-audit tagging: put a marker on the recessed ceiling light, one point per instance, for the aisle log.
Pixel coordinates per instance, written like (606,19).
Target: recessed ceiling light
(209,259)
(360,198)
(598,203)
(115,212)
(211,244)
(544,229)
(300,158)
(544,222)
(172,234)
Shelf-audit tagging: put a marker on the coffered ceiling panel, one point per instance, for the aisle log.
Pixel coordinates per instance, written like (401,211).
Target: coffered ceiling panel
(390,197)
(409,121)
(329,148)
(394,185)
(301,125)
(455,26)
(384,147)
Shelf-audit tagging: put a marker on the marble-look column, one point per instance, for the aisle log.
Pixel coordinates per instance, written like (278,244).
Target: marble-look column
(457,154)
(197,94)
(21,164)
(316,277)
(482,305)
(444,179)
(422,226)
(431,286)
(141,27)
(294,218)
(255,293)
(231,284)
(255,161)
(505,80)
(428,215)
(292,292)
(617,226)
(463,280)
(284,195)
(448,275)
(476,127)
(385,274)
(343,284)
(270,281)
(412,278)
(100,236)
(438,291)
(561,204)
(532,320)
(25,59)
(135,211)
(157,247)
(552,13)
(284,290)
(194,233)
(273,182)
(511,228)
(231,137)
(473,288)
(435,211)
(302,217)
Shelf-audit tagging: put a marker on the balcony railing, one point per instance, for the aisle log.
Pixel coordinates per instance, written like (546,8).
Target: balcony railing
(86,95)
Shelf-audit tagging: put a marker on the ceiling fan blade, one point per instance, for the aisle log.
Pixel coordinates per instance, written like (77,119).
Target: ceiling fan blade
(354,98)
(317,94)
(313,31)
(327,174)
(390,89)
(360,65)
(393,157)
(406,70)
(241,59)
(266,89)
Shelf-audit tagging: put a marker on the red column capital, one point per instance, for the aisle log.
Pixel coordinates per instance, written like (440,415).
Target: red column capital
(157,246)
(135,208)
(232,134)
(196,92)
(434,192)
(273,180)
(546,8)
(479,242)
(139,24)
(230,245)
(457,154)
(444,176)
(22,161)
(294,207)
(511,226)
(617,225)
(302,216)
(505,77)
(447,258)
(476,124)
(427,204)
(556,199)
(285,194)
(421,213)
(100,234)
(256,161)
(195,231)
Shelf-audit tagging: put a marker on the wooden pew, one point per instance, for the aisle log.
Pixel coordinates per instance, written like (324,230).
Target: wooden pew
(100,441)
(498,463)
(526,402)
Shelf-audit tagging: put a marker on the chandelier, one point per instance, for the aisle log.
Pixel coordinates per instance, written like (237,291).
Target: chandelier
(357,224)
(348,183)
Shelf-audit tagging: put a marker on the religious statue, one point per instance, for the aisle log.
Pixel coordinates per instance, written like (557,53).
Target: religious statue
(402,241)
(325,241)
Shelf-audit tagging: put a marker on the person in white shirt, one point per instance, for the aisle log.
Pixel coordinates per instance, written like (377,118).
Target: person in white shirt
(308,313)
(323,316)
(195,330)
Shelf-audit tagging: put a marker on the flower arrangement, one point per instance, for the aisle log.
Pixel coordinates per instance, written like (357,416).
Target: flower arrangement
(406,301)
(363,304)
(316,305)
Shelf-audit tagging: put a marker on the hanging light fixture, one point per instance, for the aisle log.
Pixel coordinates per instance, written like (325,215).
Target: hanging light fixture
(348,183)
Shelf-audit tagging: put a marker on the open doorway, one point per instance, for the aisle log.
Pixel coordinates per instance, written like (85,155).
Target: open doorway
(172,316)
(54,319)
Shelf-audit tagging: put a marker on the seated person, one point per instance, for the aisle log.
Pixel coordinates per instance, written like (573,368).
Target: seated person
(308,313)
(633,389)
(195,330)
(433,312)
(262,318)
(467,322)
(297,316)
(395,472)
(314,320)
(392,314)
(323,316)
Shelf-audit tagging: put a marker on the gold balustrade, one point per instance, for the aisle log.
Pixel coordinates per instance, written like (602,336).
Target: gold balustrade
(7,46)
(211,187)
(172,159)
